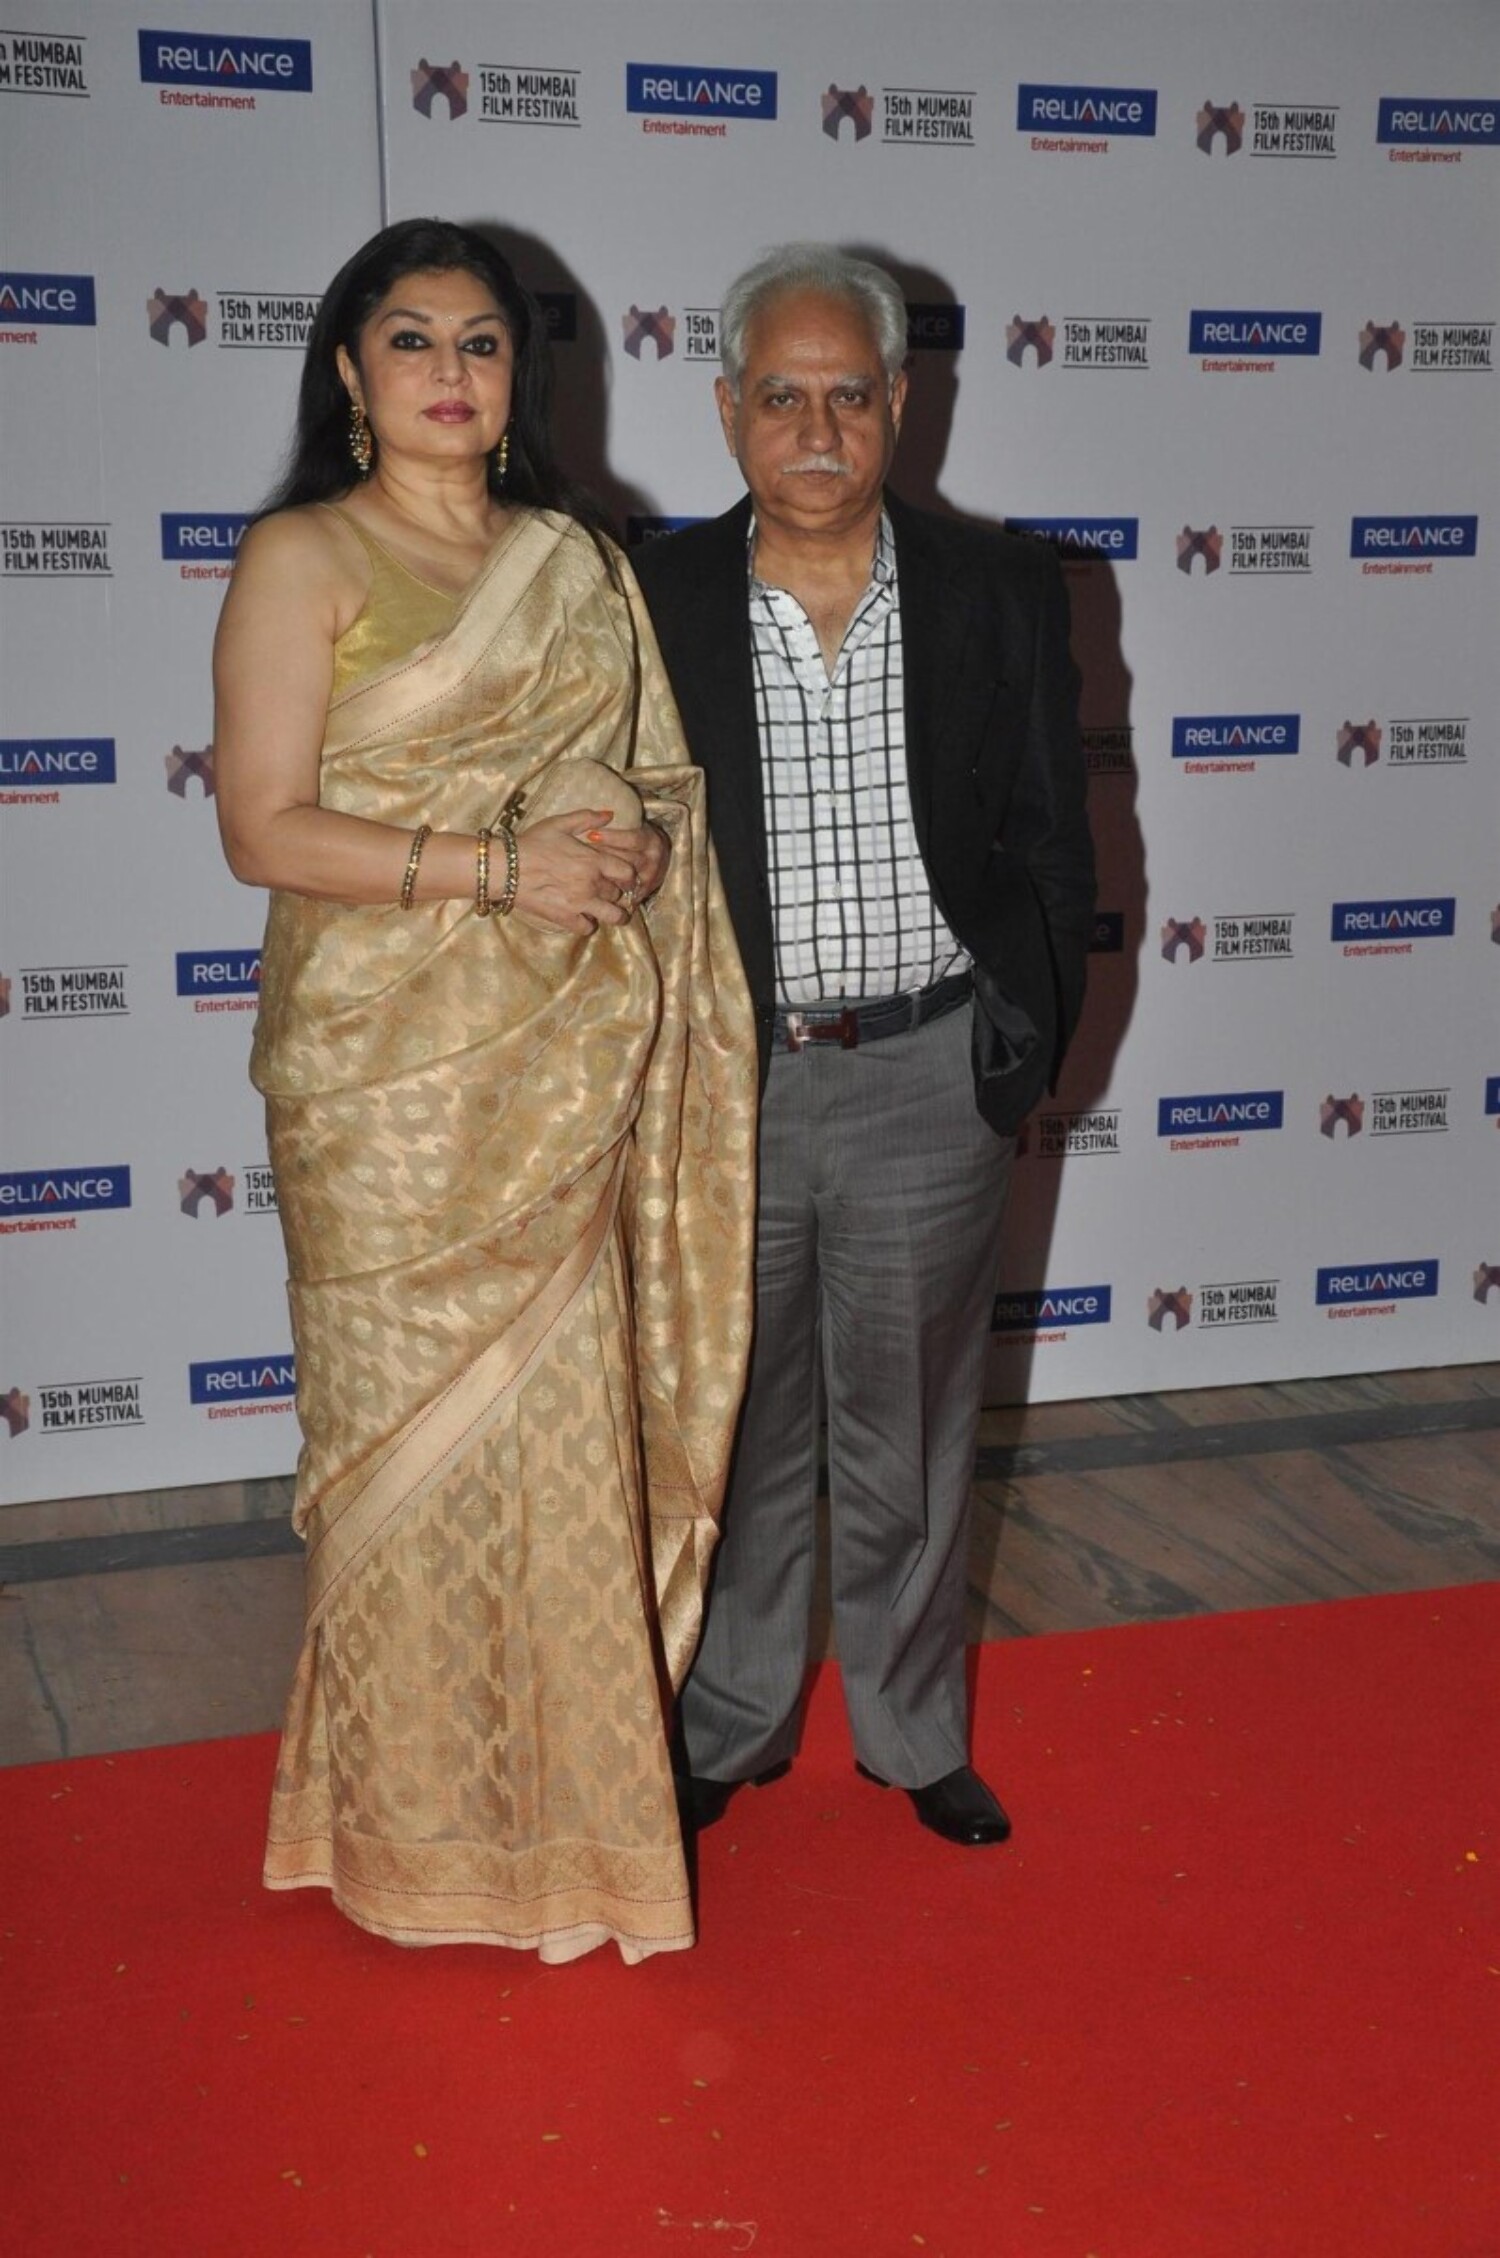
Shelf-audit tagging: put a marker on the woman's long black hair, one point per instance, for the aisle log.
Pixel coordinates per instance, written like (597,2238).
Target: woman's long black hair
(320,467)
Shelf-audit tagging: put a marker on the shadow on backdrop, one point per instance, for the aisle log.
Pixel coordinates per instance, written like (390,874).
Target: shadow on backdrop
(581,364)
(934,382)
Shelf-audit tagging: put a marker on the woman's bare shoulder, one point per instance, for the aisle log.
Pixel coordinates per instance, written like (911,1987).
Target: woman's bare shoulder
(304,557)
(310,538)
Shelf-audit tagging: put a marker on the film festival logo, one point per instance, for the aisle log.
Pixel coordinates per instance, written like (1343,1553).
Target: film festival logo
(1413,742)
(1254,550)
(1180,933)
(185,763)
(1081,1133)
(506,93)
(1346,1112)
(274,319)
(1192,545)
(1271,129)
(1486,1282)
(658,328)
(72,1407)
(1021,337)
(42,62)
(1453,347)
(1215,122)
(1111,343)
(216,1186)
(1377,338)
(440,82)
(1363,738)
(70,991)
(1430,347)
(1109,749)
(855,104)
(929,116)
(186,309)
(52,549)
(15,1409)
(1166,1303)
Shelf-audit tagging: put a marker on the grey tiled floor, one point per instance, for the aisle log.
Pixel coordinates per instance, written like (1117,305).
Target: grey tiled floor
(133,1620)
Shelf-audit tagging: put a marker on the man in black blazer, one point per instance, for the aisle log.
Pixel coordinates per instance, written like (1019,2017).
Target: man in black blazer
(885,706)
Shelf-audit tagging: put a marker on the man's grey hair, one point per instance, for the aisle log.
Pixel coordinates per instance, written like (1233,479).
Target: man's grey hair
(824,268)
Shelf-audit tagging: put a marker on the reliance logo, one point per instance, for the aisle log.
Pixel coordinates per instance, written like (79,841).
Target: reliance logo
(188,535)
(210,972)
(1213,1116)
(1267,335)
(1200,736)
(63,1191)
(687,90)
(57,760)
(1086,111)
(247,66)
(1051,1305)
(62,298)
(242,1379)
(1403,118)
(1378,1281)
(639,530)
(1117,538)
(936,328)
(1414,536)
(1431,917)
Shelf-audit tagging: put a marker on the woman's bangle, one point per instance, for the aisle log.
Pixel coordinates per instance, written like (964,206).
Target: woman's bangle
(409,881)
(482,904)
(507,901)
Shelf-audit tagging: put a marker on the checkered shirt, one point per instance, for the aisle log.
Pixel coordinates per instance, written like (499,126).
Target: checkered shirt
(853,916)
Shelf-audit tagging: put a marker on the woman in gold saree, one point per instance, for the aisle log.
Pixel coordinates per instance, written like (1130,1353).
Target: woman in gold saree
(510,1119)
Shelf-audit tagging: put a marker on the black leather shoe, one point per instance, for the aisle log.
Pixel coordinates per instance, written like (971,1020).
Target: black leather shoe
(702,1802)
(959,1807)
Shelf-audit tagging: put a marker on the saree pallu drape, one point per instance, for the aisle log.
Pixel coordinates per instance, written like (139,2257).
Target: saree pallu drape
(515,1171)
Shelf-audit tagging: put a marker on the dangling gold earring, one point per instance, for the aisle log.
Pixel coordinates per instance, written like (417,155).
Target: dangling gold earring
(502,457)
(361,443)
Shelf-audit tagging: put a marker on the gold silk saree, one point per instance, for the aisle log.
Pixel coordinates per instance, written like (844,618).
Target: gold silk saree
(515,1171)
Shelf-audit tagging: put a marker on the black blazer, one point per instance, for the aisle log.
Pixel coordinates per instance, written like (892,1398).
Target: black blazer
(993,759)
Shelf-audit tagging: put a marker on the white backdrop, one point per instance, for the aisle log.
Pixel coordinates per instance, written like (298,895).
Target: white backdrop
(1206,292)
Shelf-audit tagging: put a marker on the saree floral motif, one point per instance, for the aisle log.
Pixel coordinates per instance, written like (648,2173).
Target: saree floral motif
(515,1170)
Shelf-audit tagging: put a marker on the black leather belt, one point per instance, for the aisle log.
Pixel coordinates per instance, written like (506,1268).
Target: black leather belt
(853,1024)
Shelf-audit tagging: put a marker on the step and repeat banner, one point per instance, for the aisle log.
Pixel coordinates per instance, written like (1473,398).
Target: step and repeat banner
(175,191)
(1205,296)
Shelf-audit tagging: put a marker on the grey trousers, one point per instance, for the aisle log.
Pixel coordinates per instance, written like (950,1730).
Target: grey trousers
(878,1244)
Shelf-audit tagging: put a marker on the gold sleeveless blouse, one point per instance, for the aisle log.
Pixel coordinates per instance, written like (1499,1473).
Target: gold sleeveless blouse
(400,612)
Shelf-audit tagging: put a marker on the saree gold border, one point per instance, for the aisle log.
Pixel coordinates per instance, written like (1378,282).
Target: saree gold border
(433,671)
(427,1446)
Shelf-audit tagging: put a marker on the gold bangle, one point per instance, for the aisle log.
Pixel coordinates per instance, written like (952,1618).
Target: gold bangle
(507,901)
(482,903)
(409,881)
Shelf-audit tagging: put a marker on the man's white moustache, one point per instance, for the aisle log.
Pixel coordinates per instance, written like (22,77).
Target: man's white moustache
(816,462)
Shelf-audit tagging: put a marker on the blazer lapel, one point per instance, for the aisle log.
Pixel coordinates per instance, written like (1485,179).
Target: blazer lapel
(718,681)
(941,697)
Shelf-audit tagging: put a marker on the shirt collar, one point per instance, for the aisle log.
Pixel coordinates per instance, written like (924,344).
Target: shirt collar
(882,570)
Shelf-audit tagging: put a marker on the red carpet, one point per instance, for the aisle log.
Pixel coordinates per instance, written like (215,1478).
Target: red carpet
(1233,1991)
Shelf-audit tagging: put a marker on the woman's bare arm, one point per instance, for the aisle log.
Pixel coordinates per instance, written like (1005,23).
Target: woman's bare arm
(293,594)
